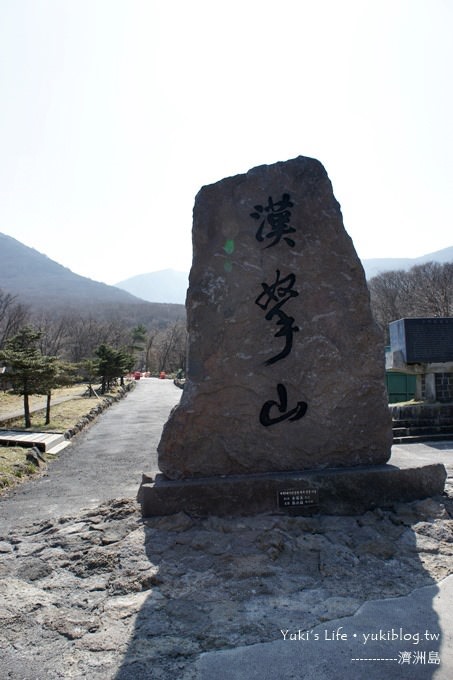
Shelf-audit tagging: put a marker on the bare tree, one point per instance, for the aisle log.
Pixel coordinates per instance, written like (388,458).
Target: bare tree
(86,334)
(432,288)
(148,349)
(55,334)
(117,333)
(424,290)
(389,296)
(13,316)
(170,348)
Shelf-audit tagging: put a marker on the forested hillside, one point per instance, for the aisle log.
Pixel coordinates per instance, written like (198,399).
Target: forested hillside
(75,316)
(45,286)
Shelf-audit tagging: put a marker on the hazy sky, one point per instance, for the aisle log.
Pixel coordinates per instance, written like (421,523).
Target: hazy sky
(115,112)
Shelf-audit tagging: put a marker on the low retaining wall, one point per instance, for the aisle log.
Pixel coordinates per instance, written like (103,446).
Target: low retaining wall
(438,414)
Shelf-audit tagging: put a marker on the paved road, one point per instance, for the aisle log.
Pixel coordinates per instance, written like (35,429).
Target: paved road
(105,461)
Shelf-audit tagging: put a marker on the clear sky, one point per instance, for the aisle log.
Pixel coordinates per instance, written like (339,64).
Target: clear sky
(115,112)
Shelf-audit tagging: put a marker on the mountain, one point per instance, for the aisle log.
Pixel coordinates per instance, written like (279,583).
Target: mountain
(377,265)
(167,285)
(44,284)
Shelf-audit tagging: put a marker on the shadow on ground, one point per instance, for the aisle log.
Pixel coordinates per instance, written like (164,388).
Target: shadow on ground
(276,597)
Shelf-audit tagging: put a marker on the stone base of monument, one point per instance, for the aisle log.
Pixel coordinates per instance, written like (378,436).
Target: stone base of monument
(339,491)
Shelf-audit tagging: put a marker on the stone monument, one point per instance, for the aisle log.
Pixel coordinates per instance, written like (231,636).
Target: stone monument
(285,365)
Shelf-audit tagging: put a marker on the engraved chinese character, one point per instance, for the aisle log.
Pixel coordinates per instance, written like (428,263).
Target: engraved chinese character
(274,217)
(281,405)
(279,293)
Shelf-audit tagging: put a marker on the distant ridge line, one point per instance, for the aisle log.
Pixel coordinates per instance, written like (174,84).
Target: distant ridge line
(40,281)
(48,287)
(377,265)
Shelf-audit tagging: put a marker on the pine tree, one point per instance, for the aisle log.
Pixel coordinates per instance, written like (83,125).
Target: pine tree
(26,366)
(112,363)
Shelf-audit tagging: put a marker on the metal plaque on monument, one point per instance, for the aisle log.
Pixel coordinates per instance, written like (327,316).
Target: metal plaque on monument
(285,393)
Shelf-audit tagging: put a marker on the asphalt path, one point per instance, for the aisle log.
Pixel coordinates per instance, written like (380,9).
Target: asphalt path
(104,461)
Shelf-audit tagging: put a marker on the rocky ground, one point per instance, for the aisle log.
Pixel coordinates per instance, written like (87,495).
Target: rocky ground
(105,595)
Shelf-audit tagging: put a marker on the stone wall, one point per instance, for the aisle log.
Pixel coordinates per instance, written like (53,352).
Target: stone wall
(438,414)
(443,387)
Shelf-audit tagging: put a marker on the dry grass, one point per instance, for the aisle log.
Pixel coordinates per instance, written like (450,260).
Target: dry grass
(14,466)
(10,403)
(62,416)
